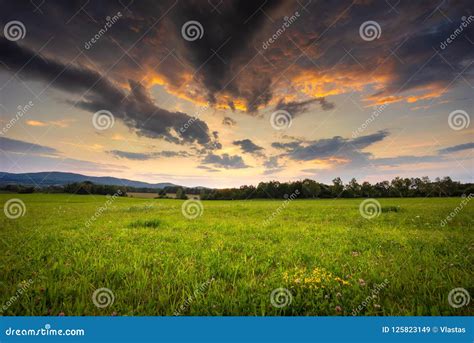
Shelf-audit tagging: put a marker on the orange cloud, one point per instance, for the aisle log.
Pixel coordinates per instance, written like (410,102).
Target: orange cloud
(60,123)
(36,123)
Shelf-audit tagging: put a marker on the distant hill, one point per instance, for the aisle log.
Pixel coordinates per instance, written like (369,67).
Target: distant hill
(44,179)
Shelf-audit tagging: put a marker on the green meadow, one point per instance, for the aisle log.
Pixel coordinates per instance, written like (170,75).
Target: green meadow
(314,257)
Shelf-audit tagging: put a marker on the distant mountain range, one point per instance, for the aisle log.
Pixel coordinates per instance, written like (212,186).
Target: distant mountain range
(44,179)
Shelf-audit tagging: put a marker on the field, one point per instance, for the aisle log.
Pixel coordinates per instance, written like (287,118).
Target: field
(326,257)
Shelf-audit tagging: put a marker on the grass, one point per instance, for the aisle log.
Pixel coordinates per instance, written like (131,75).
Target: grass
(226,262)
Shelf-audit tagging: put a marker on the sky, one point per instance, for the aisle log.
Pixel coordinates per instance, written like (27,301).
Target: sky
(225,93)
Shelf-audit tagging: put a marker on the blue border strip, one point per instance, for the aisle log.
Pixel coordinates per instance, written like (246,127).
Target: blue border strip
(239,329)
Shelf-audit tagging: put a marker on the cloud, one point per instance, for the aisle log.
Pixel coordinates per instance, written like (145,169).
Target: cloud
(227,121)
(228,65)
(225,161)
(249,147)
(36,123)
(136,109)
(59,123)
(399,160)
(19,163)
(272,166)
(208,169)
(457,148)
(131,155)
(17,146)
(232,37)
(147,156)
(329,147)
(291,146)
(295,108)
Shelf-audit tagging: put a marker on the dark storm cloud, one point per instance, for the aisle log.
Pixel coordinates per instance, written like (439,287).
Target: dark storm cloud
(457,148)
(147,156)
(248,146)
(136,108)
(295,108)
(31,66)
(225,161)
(16,146)
(224,64)
(421,66)
(230,33)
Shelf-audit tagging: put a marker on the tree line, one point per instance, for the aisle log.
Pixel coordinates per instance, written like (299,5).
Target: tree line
(307,189)
(398,187)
